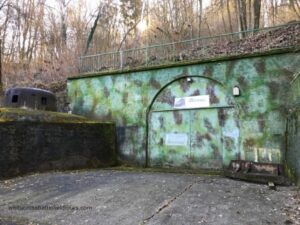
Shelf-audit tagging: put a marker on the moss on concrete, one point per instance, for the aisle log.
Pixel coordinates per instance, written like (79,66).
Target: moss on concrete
(17,114)
(33,146)
(290,174)
(207,172)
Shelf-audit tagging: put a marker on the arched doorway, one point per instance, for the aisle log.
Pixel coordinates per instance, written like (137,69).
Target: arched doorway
(192,123)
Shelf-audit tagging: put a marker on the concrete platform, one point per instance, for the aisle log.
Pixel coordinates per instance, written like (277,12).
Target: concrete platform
(121,197)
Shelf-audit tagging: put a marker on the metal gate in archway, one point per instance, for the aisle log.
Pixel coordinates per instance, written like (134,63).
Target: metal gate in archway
(192,124)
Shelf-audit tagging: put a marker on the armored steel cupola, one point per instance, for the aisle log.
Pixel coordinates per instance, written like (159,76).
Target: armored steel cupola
(32,98)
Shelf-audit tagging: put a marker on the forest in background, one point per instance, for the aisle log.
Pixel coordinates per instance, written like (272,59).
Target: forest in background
(42,40)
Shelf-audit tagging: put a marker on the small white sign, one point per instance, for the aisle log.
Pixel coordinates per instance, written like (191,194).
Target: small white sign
(200,101)
(176,139)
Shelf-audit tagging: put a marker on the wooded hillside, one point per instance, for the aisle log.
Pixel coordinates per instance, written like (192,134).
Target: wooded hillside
(43,39)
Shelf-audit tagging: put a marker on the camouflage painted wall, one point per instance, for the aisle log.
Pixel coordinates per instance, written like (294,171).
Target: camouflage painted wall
(295,90)
(293,148)
(211,134)
(255,125)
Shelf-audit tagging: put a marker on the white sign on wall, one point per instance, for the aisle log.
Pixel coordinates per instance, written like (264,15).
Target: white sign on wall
(176,139)
(200,101)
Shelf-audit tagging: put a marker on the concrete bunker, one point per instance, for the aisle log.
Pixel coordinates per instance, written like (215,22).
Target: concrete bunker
(251,127)
(33,98)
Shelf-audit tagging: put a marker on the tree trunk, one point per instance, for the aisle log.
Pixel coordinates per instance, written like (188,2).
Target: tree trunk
(295,5)
(242,11)
(229,16)
(200,17)
(250,10)
(222,14)
(2,4)
(91,34)
(256,12)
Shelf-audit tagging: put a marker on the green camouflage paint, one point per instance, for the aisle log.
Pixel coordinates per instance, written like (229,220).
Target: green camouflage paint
(213,132)
(250,127)
(293,138)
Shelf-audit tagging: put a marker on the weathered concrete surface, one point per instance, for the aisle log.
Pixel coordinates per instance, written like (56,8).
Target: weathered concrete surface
(254,129)
(119,197)
(293,131)
(33,141)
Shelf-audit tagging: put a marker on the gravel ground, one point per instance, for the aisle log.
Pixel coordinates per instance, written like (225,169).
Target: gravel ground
(120,197)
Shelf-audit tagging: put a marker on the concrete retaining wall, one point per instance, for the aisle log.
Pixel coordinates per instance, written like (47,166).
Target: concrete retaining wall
(37,146)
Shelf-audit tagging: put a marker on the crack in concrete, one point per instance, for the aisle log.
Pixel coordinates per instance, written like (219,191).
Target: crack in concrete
(168,202)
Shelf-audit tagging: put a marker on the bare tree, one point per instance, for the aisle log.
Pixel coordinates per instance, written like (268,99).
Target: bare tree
(256,13)
(93,29)
(295,5)
(3,3)
(200,16)
(229,15)
(43,42)
(242,12)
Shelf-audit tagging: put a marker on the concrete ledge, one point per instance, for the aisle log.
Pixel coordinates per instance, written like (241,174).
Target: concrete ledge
(30,115)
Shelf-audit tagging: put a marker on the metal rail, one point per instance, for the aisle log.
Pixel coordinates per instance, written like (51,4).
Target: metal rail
(250,41)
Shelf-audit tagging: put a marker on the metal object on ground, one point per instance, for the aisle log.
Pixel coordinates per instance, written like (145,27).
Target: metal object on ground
(272,186)
(256,172)
(32,98)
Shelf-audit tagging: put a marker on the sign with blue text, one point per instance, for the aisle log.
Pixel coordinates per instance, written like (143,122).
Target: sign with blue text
(200,101)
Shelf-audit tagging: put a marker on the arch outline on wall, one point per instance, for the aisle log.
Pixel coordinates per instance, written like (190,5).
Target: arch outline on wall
(155,97)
